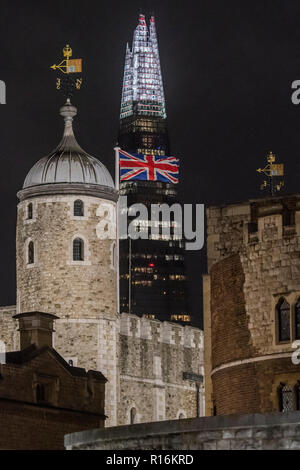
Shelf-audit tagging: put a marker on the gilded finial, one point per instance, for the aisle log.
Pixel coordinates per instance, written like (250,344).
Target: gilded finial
(67,51)
(274,172)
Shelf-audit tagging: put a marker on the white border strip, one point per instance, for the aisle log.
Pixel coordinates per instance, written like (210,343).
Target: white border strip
(250,360)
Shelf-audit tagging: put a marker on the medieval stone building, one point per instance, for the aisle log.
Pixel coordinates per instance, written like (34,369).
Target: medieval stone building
(67,266)
(42,397)
(252,306)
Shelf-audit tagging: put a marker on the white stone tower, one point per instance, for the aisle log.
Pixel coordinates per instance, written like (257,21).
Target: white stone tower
(66,254)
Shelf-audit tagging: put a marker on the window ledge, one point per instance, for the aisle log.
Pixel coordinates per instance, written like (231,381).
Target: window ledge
(79,217)
(31,265)
(79,263)
(29,221)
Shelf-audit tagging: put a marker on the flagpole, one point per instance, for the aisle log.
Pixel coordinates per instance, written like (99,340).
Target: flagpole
(117,186)
(129,285)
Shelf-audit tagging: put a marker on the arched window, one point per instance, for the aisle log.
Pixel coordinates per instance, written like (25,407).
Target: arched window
(286,398)
(31,253)
(78,208)
(78,250)
(29,211)
(297,319)
(283,320)
(181,414)
(133,415)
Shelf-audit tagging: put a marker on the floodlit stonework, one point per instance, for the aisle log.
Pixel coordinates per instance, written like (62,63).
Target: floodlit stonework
(274,431)
(254,265)
(144,360)
(153,356)
(56,282)
(154,369)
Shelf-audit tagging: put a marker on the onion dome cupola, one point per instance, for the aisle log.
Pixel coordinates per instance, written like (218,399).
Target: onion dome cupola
(68,167)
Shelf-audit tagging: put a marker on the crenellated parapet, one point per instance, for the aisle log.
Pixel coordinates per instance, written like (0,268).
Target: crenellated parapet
(161,332)
(232,227)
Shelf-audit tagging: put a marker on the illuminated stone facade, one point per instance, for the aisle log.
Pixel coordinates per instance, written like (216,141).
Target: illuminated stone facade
(67,265)
(251,308)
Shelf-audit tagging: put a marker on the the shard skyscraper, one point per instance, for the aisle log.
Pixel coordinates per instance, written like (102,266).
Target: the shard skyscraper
(152,272)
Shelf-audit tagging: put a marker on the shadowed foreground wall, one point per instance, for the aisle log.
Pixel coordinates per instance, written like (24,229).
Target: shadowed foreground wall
(245,432)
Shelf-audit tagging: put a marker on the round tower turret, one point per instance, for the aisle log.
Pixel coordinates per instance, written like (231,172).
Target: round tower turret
(66,245)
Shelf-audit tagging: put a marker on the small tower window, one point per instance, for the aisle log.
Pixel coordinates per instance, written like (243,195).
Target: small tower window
(297,320)
(283,320)
(113,254)
(31,253)
(29,211)
(133,415)
(78,250)
(78,208)
(297,390)
(40,393)
(286,398)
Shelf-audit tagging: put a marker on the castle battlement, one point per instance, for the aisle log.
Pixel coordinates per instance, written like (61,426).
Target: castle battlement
(231,228)
(161,332)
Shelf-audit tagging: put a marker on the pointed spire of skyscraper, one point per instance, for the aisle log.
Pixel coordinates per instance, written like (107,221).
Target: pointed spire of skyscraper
(153,41)
(142,85)
(142,21)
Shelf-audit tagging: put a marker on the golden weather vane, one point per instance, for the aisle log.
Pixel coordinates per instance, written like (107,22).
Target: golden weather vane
(69,70)
(274,172)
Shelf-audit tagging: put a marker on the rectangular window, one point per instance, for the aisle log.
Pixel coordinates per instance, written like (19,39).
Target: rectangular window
(283,320)
(284,325)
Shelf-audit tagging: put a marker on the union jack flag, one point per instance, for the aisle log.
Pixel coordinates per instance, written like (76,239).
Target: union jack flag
(134,166)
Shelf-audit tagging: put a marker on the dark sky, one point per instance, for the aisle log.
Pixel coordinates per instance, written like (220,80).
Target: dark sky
(227,69)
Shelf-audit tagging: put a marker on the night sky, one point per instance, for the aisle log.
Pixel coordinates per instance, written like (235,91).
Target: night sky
(227,69)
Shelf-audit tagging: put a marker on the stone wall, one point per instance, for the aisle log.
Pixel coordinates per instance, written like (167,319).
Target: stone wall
(54,282)
(92,343)
(254,260)
(81,293)
(28,427)
(9,329)
(143,359)
(73,400)
(153,356)
(246,432)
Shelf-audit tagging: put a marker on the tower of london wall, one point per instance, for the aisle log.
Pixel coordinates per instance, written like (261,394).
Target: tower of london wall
(254,265)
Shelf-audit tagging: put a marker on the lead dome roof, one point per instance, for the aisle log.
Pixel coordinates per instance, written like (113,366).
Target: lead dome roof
(68,163)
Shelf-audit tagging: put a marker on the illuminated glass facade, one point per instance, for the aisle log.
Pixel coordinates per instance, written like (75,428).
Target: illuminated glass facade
(142,84)
(152,272)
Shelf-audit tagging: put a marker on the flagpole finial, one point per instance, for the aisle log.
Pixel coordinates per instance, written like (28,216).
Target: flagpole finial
(67,51)
(69,72)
